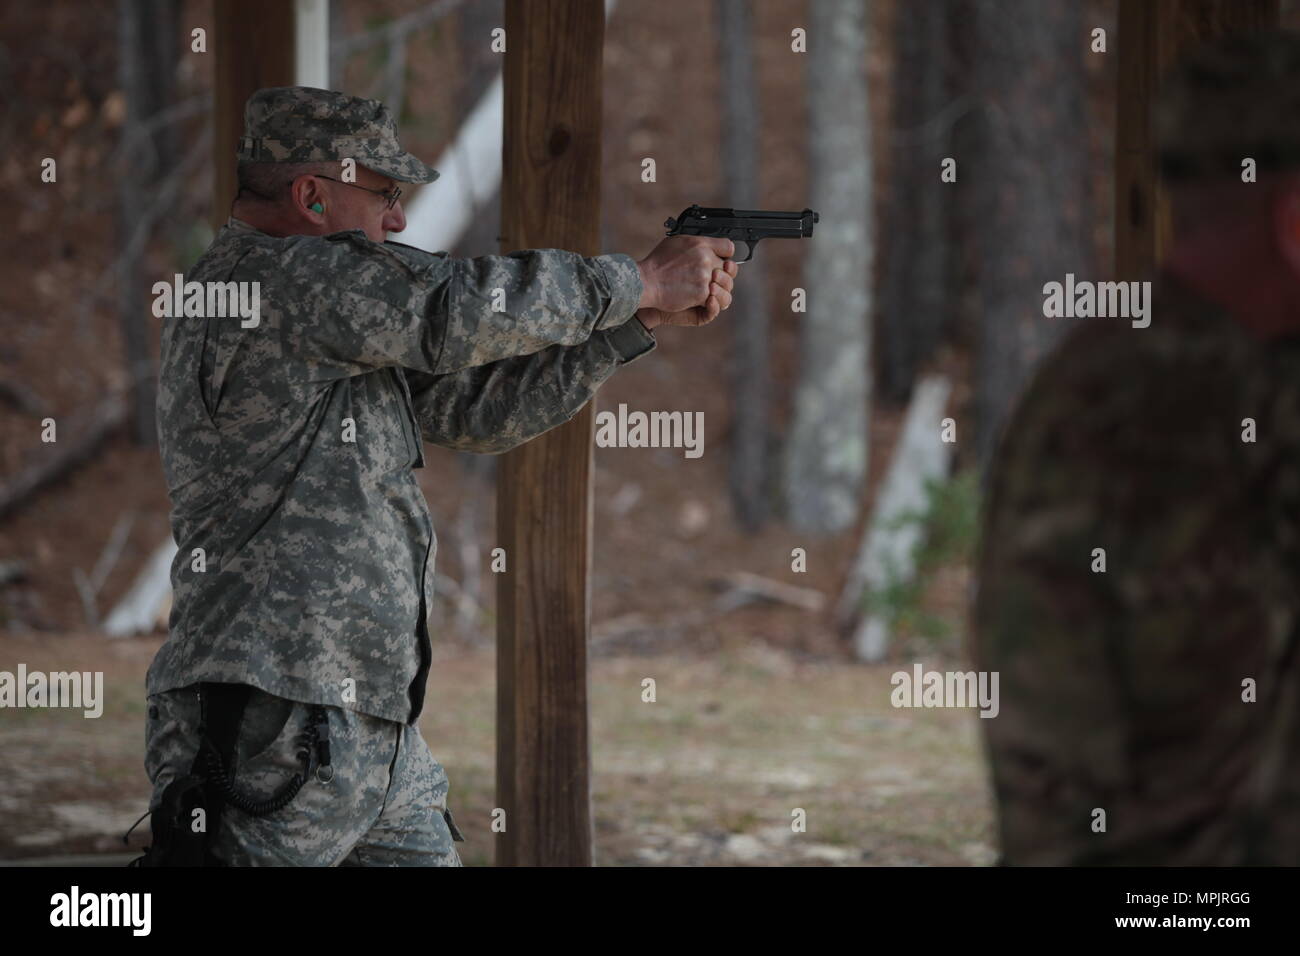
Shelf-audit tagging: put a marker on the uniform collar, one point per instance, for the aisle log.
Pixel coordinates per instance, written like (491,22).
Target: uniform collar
(238,225)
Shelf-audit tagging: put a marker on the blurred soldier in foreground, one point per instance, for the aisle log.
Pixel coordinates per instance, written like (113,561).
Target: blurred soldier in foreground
(286,698)
(1162,691)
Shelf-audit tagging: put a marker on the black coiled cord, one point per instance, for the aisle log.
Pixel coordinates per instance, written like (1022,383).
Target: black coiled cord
(312,742)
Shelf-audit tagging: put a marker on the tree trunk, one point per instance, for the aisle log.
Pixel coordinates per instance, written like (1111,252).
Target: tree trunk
(751,377)
(132,312)
(826,451)
(1022,192)
(160,52)
(914,299)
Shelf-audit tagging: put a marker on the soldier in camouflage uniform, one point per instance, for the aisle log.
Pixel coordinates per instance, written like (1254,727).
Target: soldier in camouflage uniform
(1163,691)
(306,546)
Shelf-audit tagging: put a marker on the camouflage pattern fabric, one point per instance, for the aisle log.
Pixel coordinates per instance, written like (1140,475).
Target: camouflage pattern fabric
(302,124)
(1123,690)
(317,550)
(385,805)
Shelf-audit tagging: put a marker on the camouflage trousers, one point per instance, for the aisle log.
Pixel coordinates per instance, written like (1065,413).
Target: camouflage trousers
(385,805)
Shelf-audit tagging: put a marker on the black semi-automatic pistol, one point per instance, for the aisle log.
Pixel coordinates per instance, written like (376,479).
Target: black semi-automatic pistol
(743,225)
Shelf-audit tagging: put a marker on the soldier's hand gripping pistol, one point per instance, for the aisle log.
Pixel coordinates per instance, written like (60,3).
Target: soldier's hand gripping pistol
(743,225)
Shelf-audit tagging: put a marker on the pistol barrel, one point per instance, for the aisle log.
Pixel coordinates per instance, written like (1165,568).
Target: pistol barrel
(743,225)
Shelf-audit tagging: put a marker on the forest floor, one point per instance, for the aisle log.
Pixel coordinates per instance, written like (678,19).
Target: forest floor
(711,773)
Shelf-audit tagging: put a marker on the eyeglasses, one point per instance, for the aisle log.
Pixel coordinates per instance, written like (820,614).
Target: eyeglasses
(390,196)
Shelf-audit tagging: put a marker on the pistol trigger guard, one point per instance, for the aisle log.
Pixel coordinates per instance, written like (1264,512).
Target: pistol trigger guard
(749,250)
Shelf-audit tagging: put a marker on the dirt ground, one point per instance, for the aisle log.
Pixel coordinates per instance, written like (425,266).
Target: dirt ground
(708,774)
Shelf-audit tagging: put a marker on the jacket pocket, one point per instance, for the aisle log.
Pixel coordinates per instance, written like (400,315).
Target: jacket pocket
(410,424)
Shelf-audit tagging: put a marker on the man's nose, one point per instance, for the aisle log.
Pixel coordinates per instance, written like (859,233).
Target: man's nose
(395,219)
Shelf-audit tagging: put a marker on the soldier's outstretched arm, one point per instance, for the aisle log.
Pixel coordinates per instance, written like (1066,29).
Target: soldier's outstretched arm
(360,305)
(492,408)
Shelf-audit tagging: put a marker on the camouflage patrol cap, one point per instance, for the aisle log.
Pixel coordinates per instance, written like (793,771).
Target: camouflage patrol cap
(1234,99)
(301,124)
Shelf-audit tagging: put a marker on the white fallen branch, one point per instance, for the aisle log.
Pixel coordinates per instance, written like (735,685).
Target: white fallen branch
(888,554)
(138,611)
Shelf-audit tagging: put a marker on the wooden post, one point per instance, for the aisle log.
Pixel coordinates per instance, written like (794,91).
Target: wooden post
(550,197)
(1153,34)
(253,42)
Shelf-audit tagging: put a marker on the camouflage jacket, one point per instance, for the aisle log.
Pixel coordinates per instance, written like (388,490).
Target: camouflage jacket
(305,543)
(1121,684)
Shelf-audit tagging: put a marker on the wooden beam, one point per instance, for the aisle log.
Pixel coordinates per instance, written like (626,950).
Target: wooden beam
(1153,34)
(253,42)
(550,197)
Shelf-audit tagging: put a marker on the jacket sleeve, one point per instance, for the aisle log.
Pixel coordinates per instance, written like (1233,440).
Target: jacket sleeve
(492,408)
(354,305)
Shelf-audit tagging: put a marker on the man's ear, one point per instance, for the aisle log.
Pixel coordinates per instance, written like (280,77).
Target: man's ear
(306,193)
(1286,212)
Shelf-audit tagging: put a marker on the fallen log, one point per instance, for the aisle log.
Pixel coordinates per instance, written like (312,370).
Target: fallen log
(744,588)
